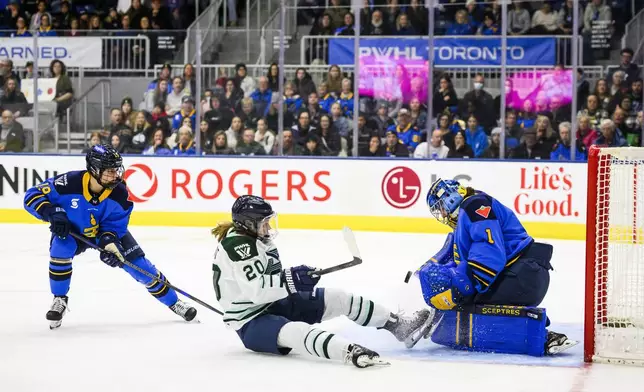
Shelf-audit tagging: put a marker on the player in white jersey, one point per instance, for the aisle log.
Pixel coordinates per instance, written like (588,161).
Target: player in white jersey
(272,308)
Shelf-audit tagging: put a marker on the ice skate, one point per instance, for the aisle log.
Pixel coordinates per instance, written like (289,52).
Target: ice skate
(185,310)
(558,342)
(57,311)
(426,330)
(404,327)
(362,357)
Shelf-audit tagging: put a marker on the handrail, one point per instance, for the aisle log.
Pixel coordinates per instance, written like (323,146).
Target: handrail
(83,98)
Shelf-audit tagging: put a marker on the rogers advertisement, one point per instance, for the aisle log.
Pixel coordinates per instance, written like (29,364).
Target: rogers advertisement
(537,192)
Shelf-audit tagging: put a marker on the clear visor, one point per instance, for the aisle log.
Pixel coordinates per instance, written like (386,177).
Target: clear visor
(111,177)
(268,227)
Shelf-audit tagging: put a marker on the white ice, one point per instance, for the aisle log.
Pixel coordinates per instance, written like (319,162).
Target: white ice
(118,338)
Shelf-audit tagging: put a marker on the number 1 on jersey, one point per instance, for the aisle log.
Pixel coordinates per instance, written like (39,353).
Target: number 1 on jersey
(489,236)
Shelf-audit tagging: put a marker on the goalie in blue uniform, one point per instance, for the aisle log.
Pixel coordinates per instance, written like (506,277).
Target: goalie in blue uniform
(93,203)
(488,279)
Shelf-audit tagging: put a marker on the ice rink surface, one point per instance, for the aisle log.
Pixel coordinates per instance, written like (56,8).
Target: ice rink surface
(118,338)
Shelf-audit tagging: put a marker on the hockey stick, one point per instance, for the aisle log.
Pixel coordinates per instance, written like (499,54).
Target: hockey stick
(149,275)
(350,239)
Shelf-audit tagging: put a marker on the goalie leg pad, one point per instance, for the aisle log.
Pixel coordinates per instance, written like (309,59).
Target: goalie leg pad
(494,328)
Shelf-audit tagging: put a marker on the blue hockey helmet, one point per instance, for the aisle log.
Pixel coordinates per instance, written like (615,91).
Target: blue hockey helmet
(444,199)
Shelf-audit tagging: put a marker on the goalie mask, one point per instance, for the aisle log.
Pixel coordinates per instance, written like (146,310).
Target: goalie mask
(105,164)
(254,216)
(444,200)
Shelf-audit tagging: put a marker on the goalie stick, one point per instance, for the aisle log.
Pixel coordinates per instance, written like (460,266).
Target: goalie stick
(350,240)
(149,275)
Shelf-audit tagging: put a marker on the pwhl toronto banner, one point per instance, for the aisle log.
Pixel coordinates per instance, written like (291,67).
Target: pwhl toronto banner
(449,51)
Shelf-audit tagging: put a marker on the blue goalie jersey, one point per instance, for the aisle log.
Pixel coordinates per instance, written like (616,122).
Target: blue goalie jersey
(89,214)
(487,239)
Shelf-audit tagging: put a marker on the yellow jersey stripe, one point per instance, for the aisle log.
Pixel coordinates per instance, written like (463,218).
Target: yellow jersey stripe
(481,280)
(474,264)
(34,199)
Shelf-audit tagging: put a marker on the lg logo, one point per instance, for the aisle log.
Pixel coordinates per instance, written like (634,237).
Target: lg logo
(144,189)
(401,187)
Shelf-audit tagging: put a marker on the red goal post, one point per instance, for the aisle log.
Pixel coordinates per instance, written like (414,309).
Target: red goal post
(614,308)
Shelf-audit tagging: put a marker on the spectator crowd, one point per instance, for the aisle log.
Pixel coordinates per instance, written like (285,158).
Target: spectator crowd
(240,114)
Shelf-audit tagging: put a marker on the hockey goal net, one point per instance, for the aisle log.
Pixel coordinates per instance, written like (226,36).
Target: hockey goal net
(614,313)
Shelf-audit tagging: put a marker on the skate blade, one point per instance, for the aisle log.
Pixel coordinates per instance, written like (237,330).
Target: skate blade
(55,324)
(562,347)
(365,362)
(425,331)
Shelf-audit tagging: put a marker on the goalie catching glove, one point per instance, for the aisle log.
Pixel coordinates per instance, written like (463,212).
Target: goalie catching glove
(298,279)
(113,254)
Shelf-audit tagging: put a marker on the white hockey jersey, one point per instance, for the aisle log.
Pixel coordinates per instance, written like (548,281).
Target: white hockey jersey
(246,277)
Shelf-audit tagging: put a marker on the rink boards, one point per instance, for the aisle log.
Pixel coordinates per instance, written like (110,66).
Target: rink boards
(317,193)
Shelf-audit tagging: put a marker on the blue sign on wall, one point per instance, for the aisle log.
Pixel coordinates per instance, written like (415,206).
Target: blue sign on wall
(450,51)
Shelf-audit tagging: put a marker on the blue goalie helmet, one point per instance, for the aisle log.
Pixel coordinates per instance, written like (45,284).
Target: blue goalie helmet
(444,199)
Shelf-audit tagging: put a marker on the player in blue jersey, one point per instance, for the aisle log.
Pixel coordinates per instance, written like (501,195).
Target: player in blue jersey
(489,276)
(94,203)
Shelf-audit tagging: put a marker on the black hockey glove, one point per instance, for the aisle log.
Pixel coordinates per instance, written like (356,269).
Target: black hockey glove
(113,254)
(298,279)
(59,223)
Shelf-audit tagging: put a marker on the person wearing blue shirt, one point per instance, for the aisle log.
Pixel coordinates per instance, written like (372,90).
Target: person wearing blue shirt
(187,111)
(45,29)
(610,135)
(94,203)
(407,134)
(186,144)
(561,151)
(262,97)
(475,136)
(489,26)
(327,99)
(461,26)
(488,260)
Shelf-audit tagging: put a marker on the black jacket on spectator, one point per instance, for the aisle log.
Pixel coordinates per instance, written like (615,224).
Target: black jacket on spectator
(330,143)
(219,119)
(399,150)
(464,152)
(632,73)
(115,129)
(233,101)
(300,134)
(371,29)
(441,105)
(140,139)
(315,115)
(249,120)
(253,148)
(15,138)
(162,18)
(483,104)
(380,125)
(272,120)
(448,140)
(305,86)
(539,151)
(16,102)
(365,152)
(418,18)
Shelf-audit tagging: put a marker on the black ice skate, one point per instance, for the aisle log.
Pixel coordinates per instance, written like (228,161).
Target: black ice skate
(362,357)
(184,310)
(57,311)
(427,329)
(405,328)
(558,342)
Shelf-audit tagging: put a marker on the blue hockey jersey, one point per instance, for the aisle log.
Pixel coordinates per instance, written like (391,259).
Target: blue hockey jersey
(89,214)
(488,237)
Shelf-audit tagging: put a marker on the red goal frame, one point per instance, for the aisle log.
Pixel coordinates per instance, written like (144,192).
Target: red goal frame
(595,307)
